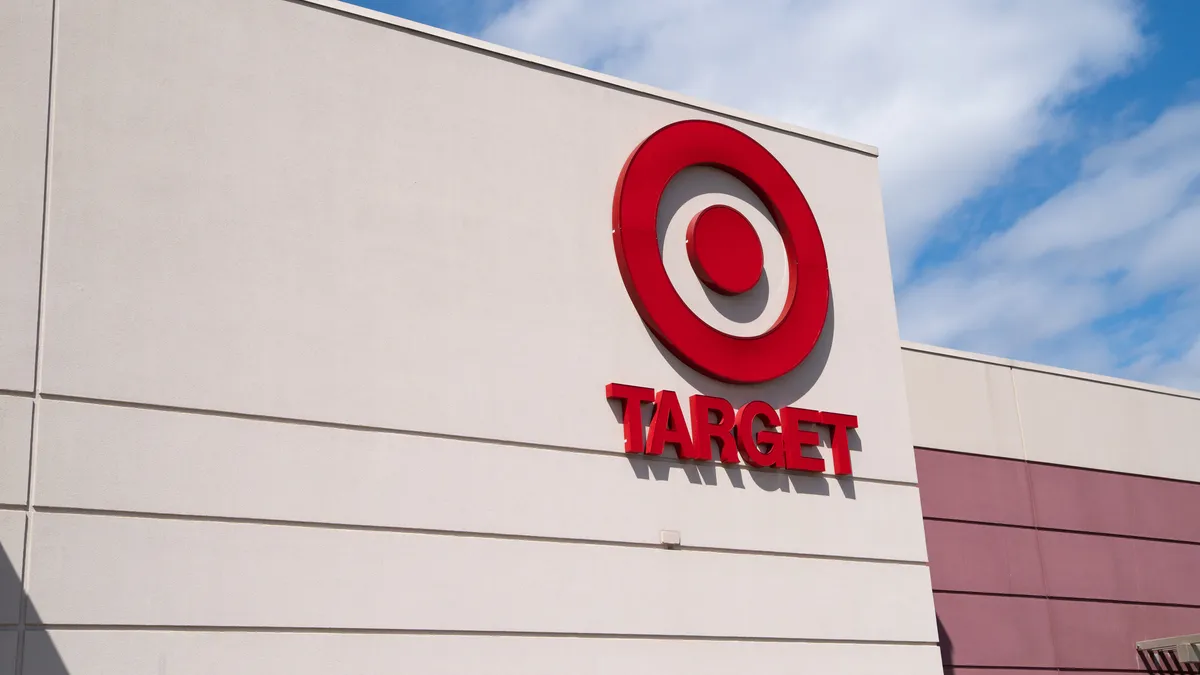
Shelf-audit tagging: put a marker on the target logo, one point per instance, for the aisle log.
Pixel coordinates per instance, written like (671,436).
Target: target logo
(724,251)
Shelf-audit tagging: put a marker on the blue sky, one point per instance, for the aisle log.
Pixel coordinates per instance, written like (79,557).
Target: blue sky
(1040,160)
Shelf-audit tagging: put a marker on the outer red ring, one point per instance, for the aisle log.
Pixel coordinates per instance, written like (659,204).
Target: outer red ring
(635,235)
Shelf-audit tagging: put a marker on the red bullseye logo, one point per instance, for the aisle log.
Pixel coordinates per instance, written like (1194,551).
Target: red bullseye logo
(724,251)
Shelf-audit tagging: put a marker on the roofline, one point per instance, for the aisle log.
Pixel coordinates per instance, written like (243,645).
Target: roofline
(529,60)
(1051,370)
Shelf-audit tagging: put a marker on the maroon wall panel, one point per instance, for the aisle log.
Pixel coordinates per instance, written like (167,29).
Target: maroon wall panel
(969,487)
(1066,498)
(967,670)
(995,630)
(1102,634)
(1007,631)
(959,670)
(1166,509)
(1116,568)
(983,558)
(1049,568)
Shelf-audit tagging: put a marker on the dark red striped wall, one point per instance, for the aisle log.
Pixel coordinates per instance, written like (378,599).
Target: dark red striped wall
(1044,569)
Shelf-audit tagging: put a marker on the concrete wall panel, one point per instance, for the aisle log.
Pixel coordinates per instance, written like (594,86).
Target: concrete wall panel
(965,403)
(410,235)
(1102,426)
(123,459)
(16,425)
(962,405)
(145,571)
(12,542)
(25,38)
(8,652)
(201,653)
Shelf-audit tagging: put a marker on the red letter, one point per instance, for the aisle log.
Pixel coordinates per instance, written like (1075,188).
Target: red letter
(795,438)
(751,442)
(840,425)
(667,426)
(704,430)
(632,398)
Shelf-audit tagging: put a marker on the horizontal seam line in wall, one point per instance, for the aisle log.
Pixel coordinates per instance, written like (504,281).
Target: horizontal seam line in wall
(273,419)
(596,79)
(350,527)
(1101,601)
(489,633)
(1089,469)
(1059,530)
(1042,668)
(14,507)
(16,392)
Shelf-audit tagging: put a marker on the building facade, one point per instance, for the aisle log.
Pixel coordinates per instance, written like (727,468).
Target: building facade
(335,343)
(1060,513)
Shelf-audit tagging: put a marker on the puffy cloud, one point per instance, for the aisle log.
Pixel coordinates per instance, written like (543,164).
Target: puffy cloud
(952,92)
(1104,275)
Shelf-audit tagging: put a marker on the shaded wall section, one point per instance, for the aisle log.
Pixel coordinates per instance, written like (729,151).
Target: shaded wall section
(1051,568)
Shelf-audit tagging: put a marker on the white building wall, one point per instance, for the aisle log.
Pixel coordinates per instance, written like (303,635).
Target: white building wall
(16,427)
(991,406)
(25,29)
(331,301)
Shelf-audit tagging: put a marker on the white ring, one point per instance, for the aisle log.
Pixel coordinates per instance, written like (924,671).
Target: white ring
(749,314)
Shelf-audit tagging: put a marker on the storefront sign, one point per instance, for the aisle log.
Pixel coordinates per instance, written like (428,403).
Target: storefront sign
(727,256)
(779,443)
(724,251)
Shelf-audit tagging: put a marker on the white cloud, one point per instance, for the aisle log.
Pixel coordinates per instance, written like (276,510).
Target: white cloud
(1126,233)
(1183,372)
(953,92)
(1123,186)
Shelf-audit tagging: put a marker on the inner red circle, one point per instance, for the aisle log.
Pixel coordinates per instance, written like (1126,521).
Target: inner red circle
(724,249)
